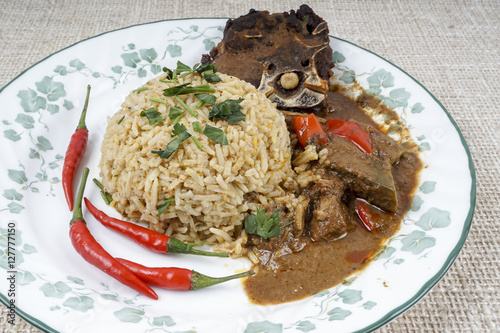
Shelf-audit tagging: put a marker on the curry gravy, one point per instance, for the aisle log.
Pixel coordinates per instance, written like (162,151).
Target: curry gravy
(316,266)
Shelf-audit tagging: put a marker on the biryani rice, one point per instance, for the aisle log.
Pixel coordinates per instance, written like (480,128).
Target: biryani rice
(214,188)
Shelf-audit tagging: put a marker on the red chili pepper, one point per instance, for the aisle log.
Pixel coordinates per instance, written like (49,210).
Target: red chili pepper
(175,278)
(147,238)
(306,127)
(351,131)
(74,153)
(366,216)
(86,245)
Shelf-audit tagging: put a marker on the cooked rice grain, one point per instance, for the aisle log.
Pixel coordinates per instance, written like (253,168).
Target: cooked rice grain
(211,187)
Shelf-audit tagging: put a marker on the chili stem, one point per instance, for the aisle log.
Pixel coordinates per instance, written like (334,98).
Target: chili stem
(77,212)
(81,123)
(199,280)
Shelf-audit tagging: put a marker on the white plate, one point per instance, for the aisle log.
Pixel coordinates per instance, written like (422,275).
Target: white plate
(56,290)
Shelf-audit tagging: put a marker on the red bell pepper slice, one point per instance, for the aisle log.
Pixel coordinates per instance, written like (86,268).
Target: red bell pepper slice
(351,131)
(306,127)
(366,215)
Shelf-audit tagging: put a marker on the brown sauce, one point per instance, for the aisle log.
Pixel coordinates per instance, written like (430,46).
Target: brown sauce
(312,266)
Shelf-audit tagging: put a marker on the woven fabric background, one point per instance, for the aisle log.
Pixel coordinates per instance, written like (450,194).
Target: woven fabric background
(451,47)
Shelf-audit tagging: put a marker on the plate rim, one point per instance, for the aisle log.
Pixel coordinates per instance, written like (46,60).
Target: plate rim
(392,314)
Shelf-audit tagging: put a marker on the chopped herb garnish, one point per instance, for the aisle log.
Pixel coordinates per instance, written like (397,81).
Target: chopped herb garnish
(121,119)
(153,115)
(197,143)
(157,100)
(106,196)
(178,129)
(138,90)
(175,114)
(169,72)
(185,106)
(172,145)
(163,206)
(209,99)
(207,71)
(216,134)
(197,126)
(263,225)
(183,89)
(229,110)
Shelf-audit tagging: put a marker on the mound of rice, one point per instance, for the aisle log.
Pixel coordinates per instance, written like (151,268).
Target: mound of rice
(214,188)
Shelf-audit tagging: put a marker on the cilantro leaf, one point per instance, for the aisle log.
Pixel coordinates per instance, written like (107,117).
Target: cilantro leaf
(175,114)
(225,109)
(178,129)
(209,99)
(216,134)
(172,145)
(263,225)
(183,89)
(163,206)
(153,115)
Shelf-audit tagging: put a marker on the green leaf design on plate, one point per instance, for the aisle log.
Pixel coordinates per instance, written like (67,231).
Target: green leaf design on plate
(53,108)
(75,280)
(155,69)
(79,303)
(15,208)
(417,108)
(116,69)
(369,305)
(77,64)
(56,290)
(129,315)
(194,27)
(53,90)
(174,50)
(350,296)
(416,203)
(12,135)
(131,59)
(25,120)
(381,78)
(338,314)
(43,143)
(148,54)
(338,57)
(399,261)
(306,326)
(434,218)
(142,72)
(163,321)
(424,146)
(61,70)
(24,278)
(68,105)
(397,98)
(417,241)
(34,154)
(427,187)
(29,249)
(110,297)
(264,326)
(30,101)
(348,77)
(18,176)
(209,44)
(12,194)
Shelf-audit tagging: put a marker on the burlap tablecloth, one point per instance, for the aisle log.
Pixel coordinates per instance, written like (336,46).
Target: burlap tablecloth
(451,47)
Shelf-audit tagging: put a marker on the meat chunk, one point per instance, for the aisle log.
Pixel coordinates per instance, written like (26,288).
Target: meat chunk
(384,147)
(285,55)
(370,177)
(329,219)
